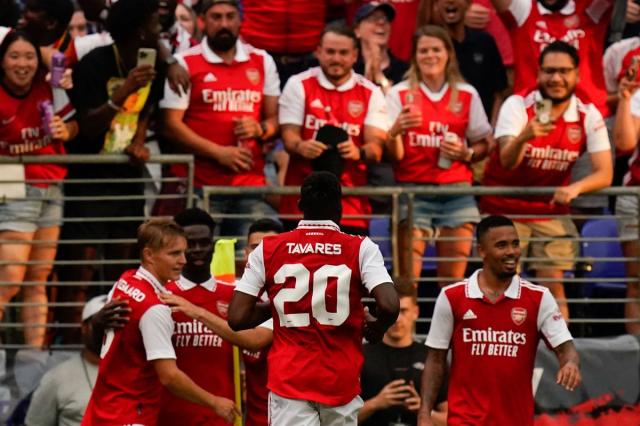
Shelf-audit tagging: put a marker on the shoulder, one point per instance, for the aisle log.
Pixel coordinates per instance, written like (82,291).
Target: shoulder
(467,88)
(190,53)
(527,288)
(364,82)
(256,52)
(455,290)
(400,87)
(100,54)
(310,74)
(61,372)
(623,46)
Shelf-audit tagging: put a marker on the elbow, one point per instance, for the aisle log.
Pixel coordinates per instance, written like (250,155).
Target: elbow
(507,163)
(236,321)
(168,377)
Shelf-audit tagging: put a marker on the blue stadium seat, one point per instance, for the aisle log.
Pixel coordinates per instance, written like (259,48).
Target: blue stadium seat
(380,233)
(599,228)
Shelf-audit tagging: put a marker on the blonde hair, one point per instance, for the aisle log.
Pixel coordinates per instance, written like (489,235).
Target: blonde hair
(155,233)
(451,72)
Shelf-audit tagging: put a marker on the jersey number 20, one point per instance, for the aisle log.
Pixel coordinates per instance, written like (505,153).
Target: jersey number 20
(303,281)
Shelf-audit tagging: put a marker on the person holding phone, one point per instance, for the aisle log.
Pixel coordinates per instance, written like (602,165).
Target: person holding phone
(439,129)
(540,136)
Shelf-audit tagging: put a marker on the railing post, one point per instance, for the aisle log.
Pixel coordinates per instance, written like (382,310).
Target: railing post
(395,221)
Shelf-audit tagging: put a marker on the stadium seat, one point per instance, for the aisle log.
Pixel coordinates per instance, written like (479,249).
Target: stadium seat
(380,233)
(599,228)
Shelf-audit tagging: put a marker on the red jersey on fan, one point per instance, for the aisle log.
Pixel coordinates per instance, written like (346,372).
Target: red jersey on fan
(617,60)
(219,93)
(494,348)
(316,353)
(256,367)
(202,354)
(310,100)
(582,24)
(22,132)
(547,160)
(466,118)
(127,390)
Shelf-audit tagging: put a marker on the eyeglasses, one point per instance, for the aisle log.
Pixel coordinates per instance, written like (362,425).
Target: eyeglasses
(562,71)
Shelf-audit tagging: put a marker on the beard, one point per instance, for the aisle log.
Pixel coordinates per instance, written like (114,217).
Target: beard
(503,275)
(556,7)
(556,100)
(222,41)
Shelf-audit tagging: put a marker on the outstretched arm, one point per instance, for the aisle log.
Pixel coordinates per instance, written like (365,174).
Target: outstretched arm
(569,375)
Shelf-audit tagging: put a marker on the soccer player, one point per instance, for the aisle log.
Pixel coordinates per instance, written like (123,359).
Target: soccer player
(493,322)
(315,277)
(138,359)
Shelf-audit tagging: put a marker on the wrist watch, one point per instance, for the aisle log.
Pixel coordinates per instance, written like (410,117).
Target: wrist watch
(170,61)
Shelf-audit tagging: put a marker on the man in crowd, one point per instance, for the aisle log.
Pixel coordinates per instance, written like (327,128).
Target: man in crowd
(228,113)
(540,149)
(316,356)
(493,323)
(139,359)
(333,95)
(393,369)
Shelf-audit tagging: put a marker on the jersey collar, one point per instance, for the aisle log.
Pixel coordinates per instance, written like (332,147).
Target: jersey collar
(318,224)
(151,279)
(434,96)
(568,9)
(571,114)
(186,284)
(347,85)
(241,53)
(473,291)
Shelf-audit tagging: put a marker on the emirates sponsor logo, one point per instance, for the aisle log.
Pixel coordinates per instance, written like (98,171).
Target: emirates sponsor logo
(314,123)
(253,75)
(574,134)
(194,334)
(355,108)
(231,100)
(496,343)
(572,37)
(518,315)
(548,158)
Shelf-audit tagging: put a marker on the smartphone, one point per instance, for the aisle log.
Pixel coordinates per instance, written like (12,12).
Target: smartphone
(543,111)
(146,56)
(632,71)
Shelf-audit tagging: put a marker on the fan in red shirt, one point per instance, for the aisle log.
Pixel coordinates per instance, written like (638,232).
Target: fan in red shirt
(315,277)
(139,359)
(493,322)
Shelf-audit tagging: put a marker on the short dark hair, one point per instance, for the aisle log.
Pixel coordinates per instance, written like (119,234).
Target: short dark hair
(406,287)
(560,47)
(195,216)
(12,37)
(265,225)
(340,29)
(321,196)
(493,221)
(59,10)
(126,17)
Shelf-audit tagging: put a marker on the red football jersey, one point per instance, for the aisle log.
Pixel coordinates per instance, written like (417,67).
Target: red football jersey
(582,24)
(202,354)
(309,100)
(22,132)
(127,390)
(466,118)
(256,367)
(220,93)
(403,27)
(315,277)
(547,160)
(494,348)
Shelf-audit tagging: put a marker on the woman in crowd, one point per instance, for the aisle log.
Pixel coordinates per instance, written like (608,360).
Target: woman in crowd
(30,222)
(188,19)
(439,129)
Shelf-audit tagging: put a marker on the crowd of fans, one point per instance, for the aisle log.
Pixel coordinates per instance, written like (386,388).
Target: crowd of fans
(413,92)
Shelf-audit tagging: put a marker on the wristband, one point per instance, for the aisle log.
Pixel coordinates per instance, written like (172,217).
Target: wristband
(113,106)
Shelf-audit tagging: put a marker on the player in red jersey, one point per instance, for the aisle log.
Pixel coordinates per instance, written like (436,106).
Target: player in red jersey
(315,277)
(139,359)
(540,149)
(493,322)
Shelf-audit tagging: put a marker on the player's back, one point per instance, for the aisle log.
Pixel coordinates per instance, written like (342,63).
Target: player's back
(313,279)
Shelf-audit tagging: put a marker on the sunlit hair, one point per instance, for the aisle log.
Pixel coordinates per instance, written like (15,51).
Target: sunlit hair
(451,71)
(405,287)
(156,233)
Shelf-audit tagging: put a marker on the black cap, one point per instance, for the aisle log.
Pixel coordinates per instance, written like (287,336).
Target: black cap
(368,8)
(208,4)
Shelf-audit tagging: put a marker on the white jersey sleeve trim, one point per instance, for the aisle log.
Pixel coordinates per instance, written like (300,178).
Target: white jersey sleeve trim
(441,329)
(156,326)
(268,324)
(520,10)
(479,126)
(394,103)
(173,100)
(253,279)
(372,269)
(377,111)
(597,135)
(271,77)
(291,103)
(512,117)
(551,322)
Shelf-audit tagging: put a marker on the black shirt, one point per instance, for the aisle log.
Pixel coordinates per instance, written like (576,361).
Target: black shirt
(394,72)
(481,65)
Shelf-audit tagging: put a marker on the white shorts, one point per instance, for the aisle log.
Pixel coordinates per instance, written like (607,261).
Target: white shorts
(297,412)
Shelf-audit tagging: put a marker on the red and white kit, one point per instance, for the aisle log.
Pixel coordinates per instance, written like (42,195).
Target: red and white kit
(466,118)
(495,344)
(315,277)
(310,100)
(127,390)
(582,24)
(219,93)
(547,160)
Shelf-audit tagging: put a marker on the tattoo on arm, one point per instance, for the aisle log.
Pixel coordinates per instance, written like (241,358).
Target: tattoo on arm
(433,376)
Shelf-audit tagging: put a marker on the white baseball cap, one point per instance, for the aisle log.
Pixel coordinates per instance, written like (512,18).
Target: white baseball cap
(93,306)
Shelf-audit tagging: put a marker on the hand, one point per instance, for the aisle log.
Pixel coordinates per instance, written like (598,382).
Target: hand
(535,129)
(226,409)
(569,376)
(138,77)
(138,152)
(179,304)
(59,129)
(406,120)
(372,331)
(565,194)
(66,81)
(235,158)
(477,16)
(633,12)
(627,88)
(113,315)
(453,150)
(394,394)
(311,149)
(178,78)
(414,401)
(349,150)
(246,128)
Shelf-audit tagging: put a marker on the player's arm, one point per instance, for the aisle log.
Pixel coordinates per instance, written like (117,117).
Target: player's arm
(244,311)
(387,309)
(568,375)
(435,369)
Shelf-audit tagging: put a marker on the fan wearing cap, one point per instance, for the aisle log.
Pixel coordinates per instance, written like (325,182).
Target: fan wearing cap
(64,391)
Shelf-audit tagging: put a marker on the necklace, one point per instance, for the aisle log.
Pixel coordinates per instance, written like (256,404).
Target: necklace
(86,373)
